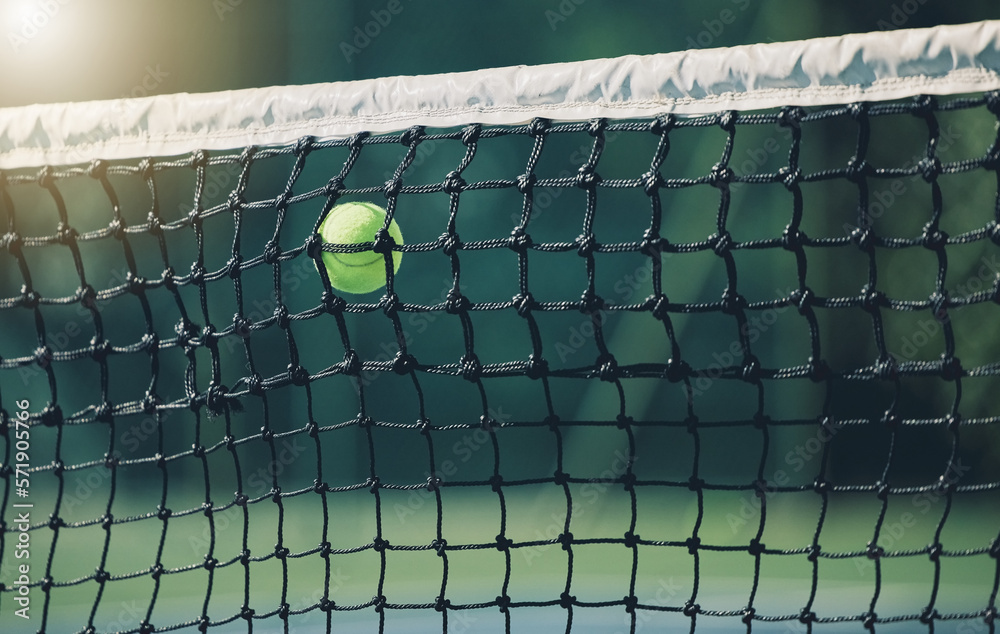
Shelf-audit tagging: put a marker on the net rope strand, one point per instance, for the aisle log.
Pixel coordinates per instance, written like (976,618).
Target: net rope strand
(211,404)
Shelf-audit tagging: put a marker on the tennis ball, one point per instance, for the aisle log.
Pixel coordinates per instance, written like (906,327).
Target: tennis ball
(354,223)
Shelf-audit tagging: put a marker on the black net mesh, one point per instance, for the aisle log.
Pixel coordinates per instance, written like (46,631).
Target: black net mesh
(728,372)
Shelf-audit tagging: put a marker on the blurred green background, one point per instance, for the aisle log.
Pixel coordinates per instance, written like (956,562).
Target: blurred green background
(104,50)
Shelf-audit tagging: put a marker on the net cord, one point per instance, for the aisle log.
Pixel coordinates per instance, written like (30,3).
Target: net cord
(877,66)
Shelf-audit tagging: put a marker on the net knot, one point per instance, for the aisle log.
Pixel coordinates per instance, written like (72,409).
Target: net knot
(552,421)
(538,126)
(470,133)
(659,305)
(503,602)
(392,187)
(756,547)
(806,616)
(304,145)
(55,522)
(882,491)
(536,367)
(869,619)
(630,603)
(720,176)
(163,514)
(440,546)
(607,368)
(873,551)
(403,363)
(66,234)
(813,551)
(104,413)
(43,356)
(928,615)
(791,116)
(790,177)
(721,242)
(872,299)
(695,483)
(240,500)
(496,482)
(247,613)
(857,169)
(676,370)
(390,304)
(748,614)
(433,482)
(691,609)
(750,372)
(923,106)
(821,486)
(379,544)
(651,182)
(453,183)
(333,303)
(993,231)
(441,604)
(819,370)
(11,242)
(560,478)
(886,369)
(631,539)
(116,228)
(566,600)
(412,135)
(29,297)
(281,316)
(523,304)
(953,422)
(456,303)
(272,252)
(732,302)
(45,177)
(254,384)
(591,304)
(934,551)
(210,563)
(792,238)
(662,124)
(653,245)
(995,549)
(519,241)
(802,299)
(525,183)
(351,365)
(586,177)
(145,627)
(334,187)
(993,102)
(194,218)
(951,368)
(135,283)
(929,168)
(242,326)
(297,374)
(727,120)
(203,624)
(450,243)
(856,110)
(383,242)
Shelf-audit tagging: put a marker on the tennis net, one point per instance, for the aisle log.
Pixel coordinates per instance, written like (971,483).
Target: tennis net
(704,340)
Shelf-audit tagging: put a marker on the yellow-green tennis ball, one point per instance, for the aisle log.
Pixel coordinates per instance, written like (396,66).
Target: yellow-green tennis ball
(354,223)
